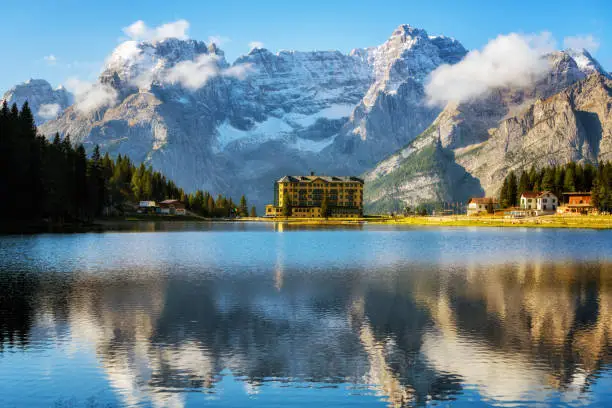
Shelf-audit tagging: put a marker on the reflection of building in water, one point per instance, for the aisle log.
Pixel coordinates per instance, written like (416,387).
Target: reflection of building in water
(514,332)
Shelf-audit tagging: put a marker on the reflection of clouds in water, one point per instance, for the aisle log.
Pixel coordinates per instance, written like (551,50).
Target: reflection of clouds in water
(512,332)
(518,348)
(498,375)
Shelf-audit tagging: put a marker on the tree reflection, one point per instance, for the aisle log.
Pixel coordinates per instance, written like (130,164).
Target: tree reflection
(514,331)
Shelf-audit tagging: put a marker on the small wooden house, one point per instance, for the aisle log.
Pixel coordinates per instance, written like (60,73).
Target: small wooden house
(174,207)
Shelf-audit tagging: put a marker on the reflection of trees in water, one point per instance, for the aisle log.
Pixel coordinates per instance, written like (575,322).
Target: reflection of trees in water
(414,335)
(17,295)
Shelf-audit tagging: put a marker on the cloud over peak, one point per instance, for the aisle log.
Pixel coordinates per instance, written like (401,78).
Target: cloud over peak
(194,74)
(49,110)
(579,42)
(256,44)
(512,60)
(89,97)
(139,31)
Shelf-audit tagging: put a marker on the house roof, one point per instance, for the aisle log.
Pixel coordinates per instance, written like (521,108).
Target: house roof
(543,193)
(483,200)
(529,194)
(327,179)
(584,193)
(175,203)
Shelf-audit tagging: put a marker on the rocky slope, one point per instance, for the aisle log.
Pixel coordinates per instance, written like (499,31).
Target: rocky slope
(45,102)
(265,115)
(554,123)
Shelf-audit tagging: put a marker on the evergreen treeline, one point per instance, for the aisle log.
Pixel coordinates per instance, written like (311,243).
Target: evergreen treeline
(571,177)
(58,182)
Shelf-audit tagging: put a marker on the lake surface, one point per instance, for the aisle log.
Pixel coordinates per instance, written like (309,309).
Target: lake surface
(237,315)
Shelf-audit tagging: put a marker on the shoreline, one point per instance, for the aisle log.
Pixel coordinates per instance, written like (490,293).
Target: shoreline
(546,221)
(595,222)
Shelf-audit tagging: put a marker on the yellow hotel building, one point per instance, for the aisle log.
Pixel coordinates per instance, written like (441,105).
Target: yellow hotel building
(303,196)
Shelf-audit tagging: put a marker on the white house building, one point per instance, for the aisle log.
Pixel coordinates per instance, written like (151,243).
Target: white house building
(545,201)
(529,200)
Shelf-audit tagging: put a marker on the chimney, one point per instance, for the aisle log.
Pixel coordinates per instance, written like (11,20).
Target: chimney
(312,173)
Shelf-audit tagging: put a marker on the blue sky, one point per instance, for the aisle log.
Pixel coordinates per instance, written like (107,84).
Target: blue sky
(80,34)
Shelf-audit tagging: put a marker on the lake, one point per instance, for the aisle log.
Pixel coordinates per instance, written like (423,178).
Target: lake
(242,315)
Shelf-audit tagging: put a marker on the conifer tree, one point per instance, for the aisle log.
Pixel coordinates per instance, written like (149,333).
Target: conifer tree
(523,184)
(253,213)
(569,180)
(243,208)
(211,206)
(325,206)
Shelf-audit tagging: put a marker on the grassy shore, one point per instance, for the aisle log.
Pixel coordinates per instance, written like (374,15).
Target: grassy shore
(548,221)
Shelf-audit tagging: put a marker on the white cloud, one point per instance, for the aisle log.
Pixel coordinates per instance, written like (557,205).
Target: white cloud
(256,44)
(239,71)
(512,60)
(50,59)
(49,110)
(578,42)
(139,31)
(218,40)
(89,97)
(194,74)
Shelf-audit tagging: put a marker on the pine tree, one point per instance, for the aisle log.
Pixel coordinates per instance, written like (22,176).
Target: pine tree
(512,189)
(253,213)
(325,206)
(243,207)
(80,182)
(287,207)
(548,181)
(503,194)
(569,184)
(523,185)
(211,206)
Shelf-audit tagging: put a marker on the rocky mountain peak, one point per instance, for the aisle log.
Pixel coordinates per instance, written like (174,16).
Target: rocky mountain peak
(586,62)
(135,63)
(45,102)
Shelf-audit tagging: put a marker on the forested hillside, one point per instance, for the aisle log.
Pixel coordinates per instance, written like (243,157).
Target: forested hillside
(571,177)
(55,181)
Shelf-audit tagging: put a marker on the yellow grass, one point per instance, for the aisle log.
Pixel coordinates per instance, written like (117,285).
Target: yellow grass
(548,221)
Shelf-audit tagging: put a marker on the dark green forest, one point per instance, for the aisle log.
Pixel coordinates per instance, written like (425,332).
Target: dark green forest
(56,181)
(571,177)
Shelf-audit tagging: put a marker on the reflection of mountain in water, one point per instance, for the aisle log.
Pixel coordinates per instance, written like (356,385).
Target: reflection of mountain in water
(513,331)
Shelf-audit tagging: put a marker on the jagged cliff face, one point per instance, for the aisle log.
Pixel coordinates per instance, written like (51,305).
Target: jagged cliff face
(573,125)
(393,111)
(45,102)
(263,116)
(508,129)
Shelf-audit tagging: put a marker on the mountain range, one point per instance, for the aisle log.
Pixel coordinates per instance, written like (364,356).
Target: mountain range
(180,107)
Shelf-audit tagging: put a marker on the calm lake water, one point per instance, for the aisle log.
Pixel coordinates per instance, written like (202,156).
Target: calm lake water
(237,315)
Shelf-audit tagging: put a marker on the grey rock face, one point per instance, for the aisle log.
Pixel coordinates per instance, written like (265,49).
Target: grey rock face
(294,112)
(45,102)
(510,130)
(393,111)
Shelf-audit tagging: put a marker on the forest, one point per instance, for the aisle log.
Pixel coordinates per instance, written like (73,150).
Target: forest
(570,177)
(56,181)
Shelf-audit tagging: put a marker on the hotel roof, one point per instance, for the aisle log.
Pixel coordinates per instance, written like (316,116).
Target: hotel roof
(327,179)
